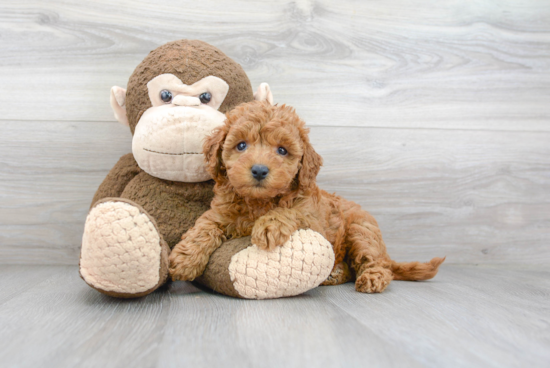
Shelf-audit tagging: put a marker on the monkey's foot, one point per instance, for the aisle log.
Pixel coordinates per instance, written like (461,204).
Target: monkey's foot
(241,269)
(123,253)
(339,275)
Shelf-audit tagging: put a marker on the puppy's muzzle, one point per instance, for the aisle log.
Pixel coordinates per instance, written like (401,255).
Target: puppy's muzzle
(259,172)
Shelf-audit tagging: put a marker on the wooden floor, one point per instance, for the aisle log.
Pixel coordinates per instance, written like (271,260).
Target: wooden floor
(468,316)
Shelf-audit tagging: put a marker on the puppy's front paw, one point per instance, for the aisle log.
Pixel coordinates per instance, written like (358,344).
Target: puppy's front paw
(373,280)
(269,234)
(184,265)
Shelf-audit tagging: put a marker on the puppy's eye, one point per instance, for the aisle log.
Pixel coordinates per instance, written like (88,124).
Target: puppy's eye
(166,96)
(282,151)
(241,146)
(205,97)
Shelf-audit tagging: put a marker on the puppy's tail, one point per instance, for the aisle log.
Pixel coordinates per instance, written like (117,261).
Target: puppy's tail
(416,271)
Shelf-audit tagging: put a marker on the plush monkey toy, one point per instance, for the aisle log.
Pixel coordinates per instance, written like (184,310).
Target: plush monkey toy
(175,98)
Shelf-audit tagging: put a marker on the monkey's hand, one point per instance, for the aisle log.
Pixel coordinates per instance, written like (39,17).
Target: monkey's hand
(273,229)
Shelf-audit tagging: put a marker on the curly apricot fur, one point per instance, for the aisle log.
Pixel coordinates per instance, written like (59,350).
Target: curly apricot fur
(288,199)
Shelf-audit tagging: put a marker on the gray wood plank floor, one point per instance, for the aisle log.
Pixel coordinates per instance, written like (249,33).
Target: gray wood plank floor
(466,317)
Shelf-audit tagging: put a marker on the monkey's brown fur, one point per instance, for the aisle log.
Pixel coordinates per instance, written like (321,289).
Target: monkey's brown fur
(175,206)
(190,61)
(287,200)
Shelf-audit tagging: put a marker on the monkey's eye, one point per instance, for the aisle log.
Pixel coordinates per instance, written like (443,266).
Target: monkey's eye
(282,151)
(166,96)
(241,146)
(205,97)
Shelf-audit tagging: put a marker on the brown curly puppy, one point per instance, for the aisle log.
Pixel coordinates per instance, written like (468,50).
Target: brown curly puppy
(265,170)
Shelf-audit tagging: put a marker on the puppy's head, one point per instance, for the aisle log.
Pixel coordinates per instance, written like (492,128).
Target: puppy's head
(262,151)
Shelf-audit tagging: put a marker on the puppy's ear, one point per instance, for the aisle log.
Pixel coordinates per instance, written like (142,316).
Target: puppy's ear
(310,165)
(212,149)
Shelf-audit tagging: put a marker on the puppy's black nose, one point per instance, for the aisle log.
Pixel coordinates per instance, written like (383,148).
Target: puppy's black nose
(259,172)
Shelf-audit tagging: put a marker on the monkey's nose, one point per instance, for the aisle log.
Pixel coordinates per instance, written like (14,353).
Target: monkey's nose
(181,100)
(259,172)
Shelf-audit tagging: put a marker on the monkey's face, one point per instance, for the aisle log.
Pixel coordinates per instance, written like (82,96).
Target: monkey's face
(168,138)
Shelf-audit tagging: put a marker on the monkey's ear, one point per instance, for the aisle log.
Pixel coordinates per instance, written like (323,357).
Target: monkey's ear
(263,93)
(118,104)
(212,149)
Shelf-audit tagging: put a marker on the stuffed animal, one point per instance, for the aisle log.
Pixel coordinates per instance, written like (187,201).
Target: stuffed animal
(175,98)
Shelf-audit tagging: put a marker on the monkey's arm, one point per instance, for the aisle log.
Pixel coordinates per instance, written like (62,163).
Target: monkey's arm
(190,256)
(120,175)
